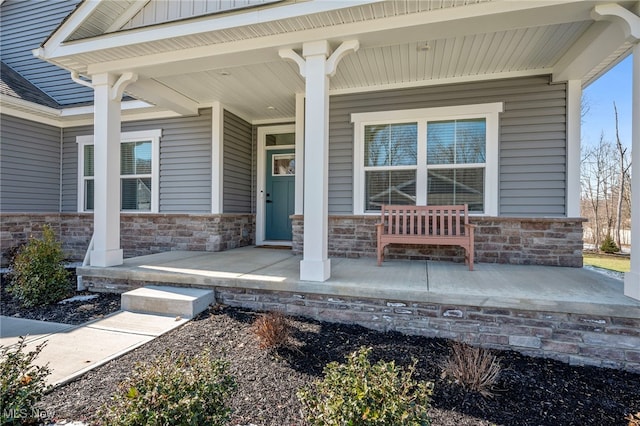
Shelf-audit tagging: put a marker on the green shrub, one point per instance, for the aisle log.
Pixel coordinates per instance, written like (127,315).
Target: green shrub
(358,393)
(173,390)
(22,384)
(38,276)
(609,246)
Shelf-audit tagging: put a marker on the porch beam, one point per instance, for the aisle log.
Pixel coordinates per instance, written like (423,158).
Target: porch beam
(632,278)
(588,51)
(162,96)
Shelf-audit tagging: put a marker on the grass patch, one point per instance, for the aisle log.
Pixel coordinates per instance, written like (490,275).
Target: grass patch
(614,263)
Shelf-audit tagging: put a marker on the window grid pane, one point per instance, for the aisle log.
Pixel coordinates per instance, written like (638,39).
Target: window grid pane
(135,158)
(391,145)
(88,160)
(457,186)
(135,194)
(88,194)
(456,142)
(389,187)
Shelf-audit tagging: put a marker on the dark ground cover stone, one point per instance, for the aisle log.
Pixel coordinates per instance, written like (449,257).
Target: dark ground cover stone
(530,391)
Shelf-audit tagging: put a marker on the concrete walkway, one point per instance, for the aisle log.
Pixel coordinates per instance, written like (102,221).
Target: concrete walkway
(70,351)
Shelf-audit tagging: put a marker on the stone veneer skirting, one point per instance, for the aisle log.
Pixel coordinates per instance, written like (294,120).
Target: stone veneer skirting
(509,240)
(141,234)
(578,339)
(574,338)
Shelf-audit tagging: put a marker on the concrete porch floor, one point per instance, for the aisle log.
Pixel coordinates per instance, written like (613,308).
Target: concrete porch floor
(538,288)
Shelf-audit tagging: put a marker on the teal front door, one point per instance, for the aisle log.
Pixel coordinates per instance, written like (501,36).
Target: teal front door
(279,194)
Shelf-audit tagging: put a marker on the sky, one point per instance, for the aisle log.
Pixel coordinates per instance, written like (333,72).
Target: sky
(615,85)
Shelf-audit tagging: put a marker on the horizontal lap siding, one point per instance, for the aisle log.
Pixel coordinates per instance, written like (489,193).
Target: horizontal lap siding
(29,166)
(237,164)
(185,162)
(532,138)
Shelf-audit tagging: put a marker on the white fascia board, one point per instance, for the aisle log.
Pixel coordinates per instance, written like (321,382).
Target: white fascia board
(196,26)
(76,116)
(434,24)
(477,18)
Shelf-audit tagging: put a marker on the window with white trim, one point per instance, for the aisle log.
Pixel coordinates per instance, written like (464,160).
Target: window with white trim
(139,163)
(429,156)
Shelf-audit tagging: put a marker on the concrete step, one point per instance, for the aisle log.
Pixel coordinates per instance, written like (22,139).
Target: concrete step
(164,300)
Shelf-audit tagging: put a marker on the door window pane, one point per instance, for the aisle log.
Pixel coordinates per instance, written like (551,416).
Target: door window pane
(280,139)
(283,164)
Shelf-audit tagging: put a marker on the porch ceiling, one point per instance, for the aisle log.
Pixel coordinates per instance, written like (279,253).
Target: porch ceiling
(402,44)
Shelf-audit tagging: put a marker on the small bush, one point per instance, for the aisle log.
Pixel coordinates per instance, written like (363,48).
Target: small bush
(358,393)
(22,384)
(473,368)
(38,276)
(272,330)
(634,419)
(609,246)
(173,390)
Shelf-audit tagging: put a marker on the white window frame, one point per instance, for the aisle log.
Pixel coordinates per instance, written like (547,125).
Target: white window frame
(139,136)
(422,116)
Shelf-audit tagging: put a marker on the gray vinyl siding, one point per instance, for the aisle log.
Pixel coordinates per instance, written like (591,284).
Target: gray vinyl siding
(25,26)
(29,166)
(532,153)
(237,165)
(185,162)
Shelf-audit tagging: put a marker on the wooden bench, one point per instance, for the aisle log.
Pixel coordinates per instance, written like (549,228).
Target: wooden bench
(442,225)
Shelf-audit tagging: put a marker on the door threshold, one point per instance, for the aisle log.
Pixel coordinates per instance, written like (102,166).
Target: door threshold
(275,244)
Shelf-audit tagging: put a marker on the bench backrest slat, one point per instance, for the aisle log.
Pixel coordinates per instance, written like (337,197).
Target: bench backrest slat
(425,220)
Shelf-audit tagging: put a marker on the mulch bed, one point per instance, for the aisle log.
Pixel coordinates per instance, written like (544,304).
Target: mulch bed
(76,312)
(530,391)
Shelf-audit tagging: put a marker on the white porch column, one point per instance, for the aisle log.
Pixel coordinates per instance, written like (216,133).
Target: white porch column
(632,278)
(316,66)
(106,139)
(315,264)
(574,106)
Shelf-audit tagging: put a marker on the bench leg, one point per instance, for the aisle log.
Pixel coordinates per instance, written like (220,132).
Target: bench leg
(380,254)
(469,258)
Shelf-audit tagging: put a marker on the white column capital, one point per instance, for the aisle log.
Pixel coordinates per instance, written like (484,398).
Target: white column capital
(116,83)
(315,48)
(103,79)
